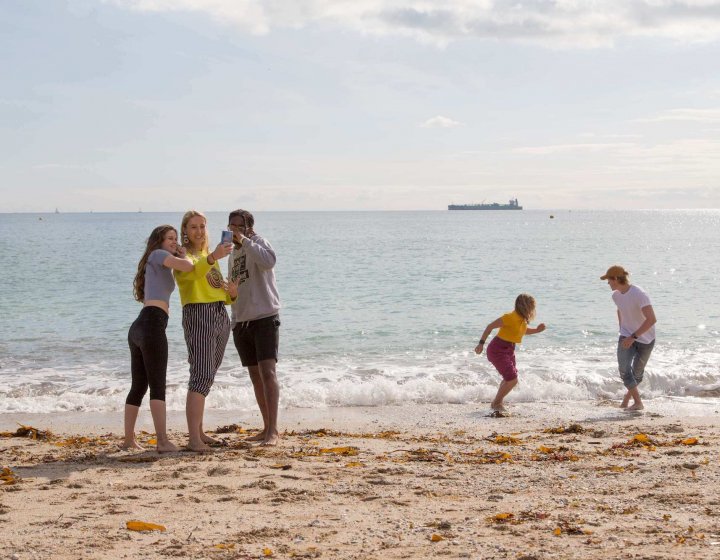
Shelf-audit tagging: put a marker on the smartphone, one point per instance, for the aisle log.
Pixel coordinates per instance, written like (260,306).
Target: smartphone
(226,237)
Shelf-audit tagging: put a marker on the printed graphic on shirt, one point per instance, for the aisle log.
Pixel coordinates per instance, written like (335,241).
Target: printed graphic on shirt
(214,278)
(239,269)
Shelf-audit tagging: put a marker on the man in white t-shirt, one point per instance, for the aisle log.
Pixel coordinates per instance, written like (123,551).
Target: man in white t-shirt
(636,319)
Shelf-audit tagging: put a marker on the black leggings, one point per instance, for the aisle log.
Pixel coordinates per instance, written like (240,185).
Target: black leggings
(148,355)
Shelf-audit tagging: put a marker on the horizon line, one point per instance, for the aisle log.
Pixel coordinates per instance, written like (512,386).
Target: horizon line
(53,212)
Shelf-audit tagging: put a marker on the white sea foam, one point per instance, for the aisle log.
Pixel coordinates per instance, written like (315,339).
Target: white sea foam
(461,377)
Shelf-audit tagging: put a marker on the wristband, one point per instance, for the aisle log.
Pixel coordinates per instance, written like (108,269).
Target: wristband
(635,336)
(481,341)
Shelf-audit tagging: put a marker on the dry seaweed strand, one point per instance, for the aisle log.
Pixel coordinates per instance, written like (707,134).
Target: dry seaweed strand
(29,432)
(7,476)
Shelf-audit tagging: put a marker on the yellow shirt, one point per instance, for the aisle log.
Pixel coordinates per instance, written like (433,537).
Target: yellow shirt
(513,328)
(204,284)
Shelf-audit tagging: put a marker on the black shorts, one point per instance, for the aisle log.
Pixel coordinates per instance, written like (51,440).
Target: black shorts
(257,340)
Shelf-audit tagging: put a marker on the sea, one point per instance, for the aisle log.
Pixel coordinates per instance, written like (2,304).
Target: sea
(379,308)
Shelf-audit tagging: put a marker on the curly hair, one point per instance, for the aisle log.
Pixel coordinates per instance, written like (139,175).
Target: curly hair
(153,242)
(245,215)
(525,307)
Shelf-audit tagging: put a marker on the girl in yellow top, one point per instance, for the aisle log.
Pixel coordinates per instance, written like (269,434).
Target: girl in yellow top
(501,350)
(203,294)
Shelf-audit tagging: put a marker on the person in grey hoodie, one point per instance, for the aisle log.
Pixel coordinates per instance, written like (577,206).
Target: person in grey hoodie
(254,317)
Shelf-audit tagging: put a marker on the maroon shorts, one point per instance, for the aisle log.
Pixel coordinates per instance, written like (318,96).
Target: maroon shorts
(501,354)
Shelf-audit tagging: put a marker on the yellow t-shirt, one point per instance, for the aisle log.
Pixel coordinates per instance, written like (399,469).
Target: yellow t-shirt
(513,327)
(204,284)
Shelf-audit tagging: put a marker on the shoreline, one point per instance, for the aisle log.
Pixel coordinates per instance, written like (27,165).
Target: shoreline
(407,416)
(581,480)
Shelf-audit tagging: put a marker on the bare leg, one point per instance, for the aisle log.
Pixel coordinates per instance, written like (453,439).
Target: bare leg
(194,410)
(267,395)
(131,414)
(626,400)
(272,397)
(259,390)
(635,394)
(503,390)
(157,409)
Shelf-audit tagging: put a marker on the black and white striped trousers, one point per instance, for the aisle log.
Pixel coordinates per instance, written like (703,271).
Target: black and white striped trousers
(207,328)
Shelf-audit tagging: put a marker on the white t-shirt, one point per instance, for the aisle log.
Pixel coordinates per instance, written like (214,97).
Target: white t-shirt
(630,306)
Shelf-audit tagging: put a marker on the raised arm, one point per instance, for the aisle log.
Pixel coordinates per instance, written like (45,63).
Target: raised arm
(220,252)
(261,251)
(496,324)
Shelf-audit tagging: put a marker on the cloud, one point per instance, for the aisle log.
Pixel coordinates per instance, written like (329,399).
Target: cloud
(440,122)
(567,148)
(687,162)
(693,115)
(561,23)
(625,136)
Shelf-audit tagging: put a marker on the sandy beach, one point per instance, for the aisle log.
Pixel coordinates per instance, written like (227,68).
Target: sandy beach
(552,481)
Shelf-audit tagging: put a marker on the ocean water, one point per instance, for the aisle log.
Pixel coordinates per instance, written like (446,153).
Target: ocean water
(378,307)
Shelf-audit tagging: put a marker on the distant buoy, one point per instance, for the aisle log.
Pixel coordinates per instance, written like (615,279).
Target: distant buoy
(551,216)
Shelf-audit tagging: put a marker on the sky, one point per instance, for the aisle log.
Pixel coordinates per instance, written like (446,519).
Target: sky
(166,105)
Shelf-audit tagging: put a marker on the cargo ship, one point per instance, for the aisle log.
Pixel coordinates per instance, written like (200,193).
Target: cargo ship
(511,205)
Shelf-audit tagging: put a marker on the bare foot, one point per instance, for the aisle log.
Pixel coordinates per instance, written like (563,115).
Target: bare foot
(624,404)
(166,447)
(207,439)
(131,445)
(199,447)
(271,440)
(498,407)
(260,436)
(636,406)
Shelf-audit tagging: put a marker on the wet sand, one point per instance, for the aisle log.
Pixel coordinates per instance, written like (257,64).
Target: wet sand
(579,480)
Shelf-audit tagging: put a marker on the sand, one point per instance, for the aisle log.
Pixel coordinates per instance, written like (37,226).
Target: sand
(552,481)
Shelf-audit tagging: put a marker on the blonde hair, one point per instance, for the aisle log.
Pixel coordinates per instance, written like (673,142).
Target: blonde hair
(183,229)
(153,242)
(525,307)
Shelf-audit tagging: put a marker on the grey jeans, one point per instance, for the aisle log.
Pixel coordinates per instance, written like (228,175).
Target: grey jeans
(632,361)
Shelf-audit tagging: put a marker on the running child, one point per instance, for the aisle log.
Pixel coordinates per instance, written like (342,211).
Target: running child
(501,350)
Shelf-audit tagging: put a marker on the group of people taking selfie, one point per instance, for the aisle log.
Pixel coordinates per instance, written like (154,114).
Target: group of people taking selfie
(249,290)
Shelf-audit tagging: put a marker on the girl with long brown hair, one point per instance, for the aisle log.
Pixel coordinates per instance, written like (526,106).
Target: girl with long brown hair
(147,340)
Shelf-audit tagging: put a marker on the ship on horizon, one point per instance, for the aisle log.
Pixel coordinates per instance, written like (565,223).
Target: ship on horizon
(511,205)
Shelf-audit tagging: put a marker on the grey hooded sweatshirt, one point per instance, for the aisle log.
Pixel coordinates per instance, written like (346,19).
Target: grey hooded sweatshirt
(257,293)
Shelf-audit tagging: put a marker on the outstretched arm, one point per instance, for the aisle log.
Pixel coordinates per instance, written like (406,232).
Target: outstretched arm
(179,262)
(496,324)
(539,328)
